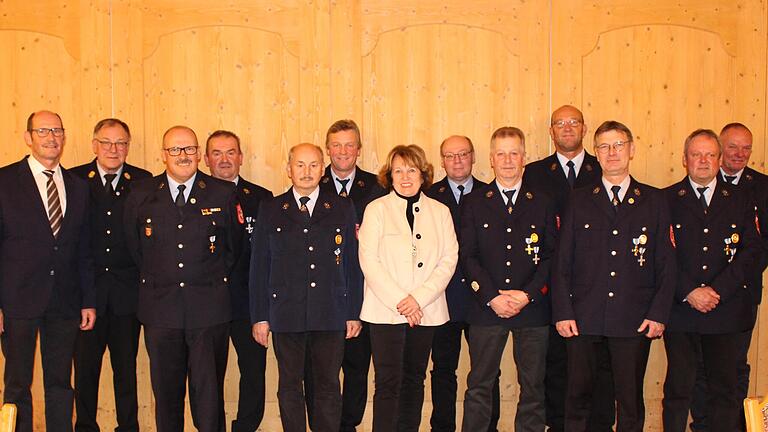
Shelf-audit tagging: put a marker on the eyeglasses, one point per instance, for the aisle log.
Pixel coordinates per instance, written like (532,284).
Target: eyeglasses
(175,151)
(107,145)
(43,132)
(457,156)
(570,122)
(617,146)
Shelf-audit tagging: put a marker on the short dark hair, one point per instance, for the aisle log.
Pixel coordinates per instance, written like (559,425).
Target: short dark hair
(709,133)
(612,125)
(413,155)
(32,117)
(109,122)
(224,134)
(343,125)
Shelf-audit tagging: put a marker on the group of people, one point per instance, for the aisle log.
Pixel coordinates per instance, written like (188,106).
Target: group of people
(579,261)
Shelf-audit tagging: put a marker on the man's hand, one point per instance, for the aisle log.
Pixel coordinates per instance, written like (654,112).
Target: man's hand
(703,299)
(503,306)
(567,328)
(87,318)
(519,298)
(654,329)
(408,306)
(354,328)
(260,333)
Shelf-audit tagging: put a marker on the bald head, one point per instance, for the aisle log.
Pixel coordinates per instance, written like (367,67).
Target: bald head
(305,167)
(457,157)
(567,130)
(180,153)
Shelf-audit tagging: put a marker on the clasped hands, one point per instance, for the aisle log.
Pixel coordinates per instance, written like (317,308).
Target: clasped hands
(410,309)
(509,303)
(703,299)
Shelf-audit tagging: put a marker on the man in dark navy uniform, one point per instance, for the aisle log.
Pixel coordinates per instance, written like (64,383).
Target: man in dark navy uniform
(717,251)
(507,240)
(306,288)
(344,177)
(612,281)
(184,230)
(570,167)
(224,157)
(110,179)
(46,272)
(457,157)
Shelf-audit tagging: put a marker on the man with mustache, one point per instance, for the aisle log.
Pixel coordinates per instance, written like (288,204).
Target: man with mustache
(306,289)
(46,272)
(184,230)
(224,157)
(718,251)
(110,180)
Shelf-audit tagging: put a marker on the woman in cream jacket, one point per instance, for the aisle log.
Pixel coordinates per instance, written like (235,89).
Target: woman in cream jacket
(408,253)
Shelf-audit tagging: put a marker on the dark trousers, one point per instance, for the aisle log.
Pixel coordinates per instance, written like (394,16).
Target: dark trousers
(721,365)
(325,350)
(446,348)
(486,347)
(57,348)
(252,362)
(357,362)
(628,357)
(199,355)
(699,402)
(121,335)
(603,413)
(400,357)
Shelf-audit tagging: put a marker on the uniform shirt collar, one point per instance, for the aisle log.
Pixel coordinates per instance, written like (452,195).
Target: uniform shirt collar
(624,187)
(578,161)
(707,193)
(103,172)
(312,199)
(468,185)
(516,187)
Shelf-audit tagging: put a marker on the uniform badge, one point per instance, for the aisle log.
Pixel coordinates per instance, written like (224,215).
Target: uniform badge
(557,222)
(240,217)
(489,194)
(249,224)
(338,239)
(553,166)
(285,206)
(148,228)
(631,200)
(529,195)
(201,184)
(161,186)
(637,192)
(588,167)
(92,174)
(212,246)
(672,236)
(361,183)
(127,176)
(475,286)
(730,252)
(735,238)
(639,247)
(193,200)
(441,189)
(246,191)
(337,252)
(596,190)
(326,205)
(681,192)
(749,177)
(726,193)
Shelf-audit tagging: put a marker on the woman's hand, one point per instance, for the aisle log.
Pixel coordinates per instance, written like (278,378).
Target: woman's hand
(408,306)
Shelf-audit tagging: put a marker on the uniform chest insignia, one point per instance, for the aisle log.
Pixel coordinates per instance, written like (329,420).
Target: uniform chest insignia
(193,200)
(637,192)
(360,183)
(596,190)
(240,215)
(127,176)
(529,195)
(475,286)
(285,206)
(325,179)
(210,211)
(246,191)
(553,166)
(489,194)
(338,239)
(201,184)
(726,193)
(631,200)
(441,189)
(326,205)
(681,192)
(749,177)
(92,174)
(588,167)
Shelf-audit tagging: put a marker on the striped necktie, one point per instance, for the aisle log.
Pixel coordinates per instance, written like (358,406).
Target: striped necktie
(55,216)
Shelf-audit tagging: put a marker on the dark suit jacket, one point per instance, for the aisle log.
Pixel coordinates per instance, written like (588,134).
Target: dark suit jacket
(305,274)
(548,173)
(250,197)
(40,274)
(756,185)
(185,256)
(597,280)
(117,277)
(458,293)
(365,189)
(701,241)
(498,252)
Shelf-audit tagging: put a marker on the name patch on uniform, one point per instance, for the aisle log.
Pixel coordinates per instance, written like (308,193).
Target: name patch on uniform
(209,211)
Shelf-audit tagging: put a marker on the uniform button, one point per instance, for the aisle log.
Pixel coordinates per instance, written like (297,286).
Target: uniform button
(55,248)
(109,213)
(181,284)
(52,272)
(311,248)
(274,295)
(179,226)
(509,263)
(613,253)
(107,250)
(677,226)
(181,246)
(586,226)
(306,230)
(109,232)
(181,265)
(312,266)
(705,248)
(613,274)
(706,230)
(509,246)
(420,265)
(312,284)
(485,225)
(225,279)
(615,232)
(509,229)
(143,281)
(418,236)
(704,267)
(106,269)
(506,280)
(463,279)
(744,286)
(610,294)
